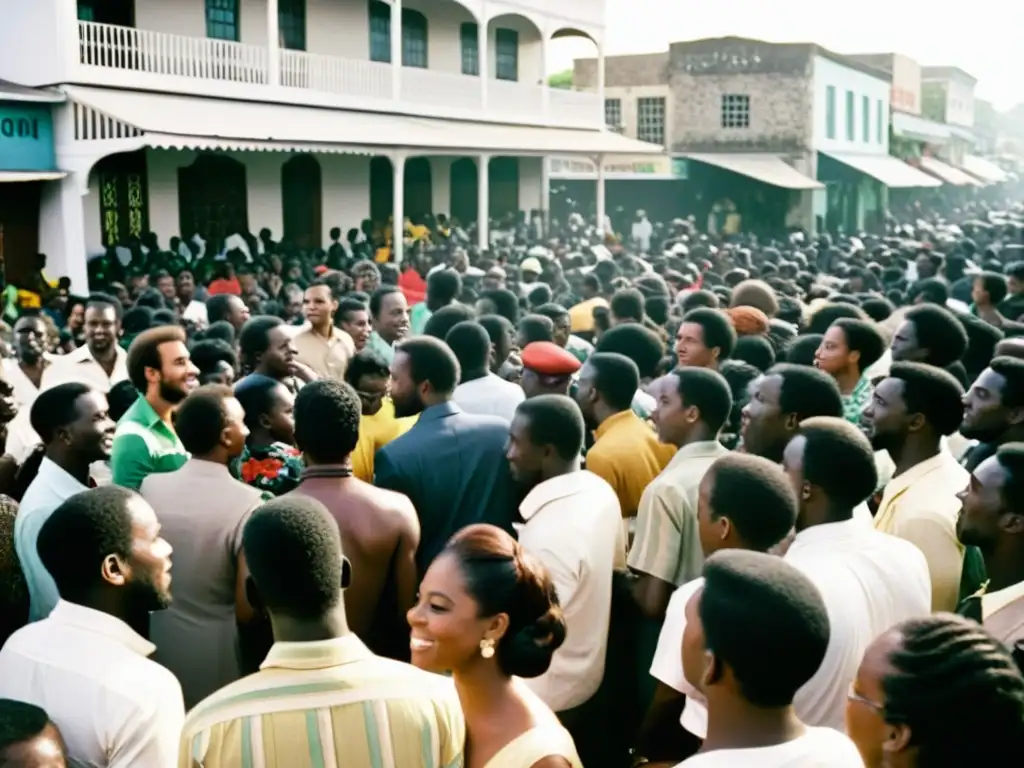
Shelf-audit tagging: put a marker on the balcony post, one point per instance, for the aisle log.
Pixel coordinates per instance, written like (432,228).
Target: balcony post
(485,72)
(599,159)
(396,50)
(483,202)
(273,44)
(398,207)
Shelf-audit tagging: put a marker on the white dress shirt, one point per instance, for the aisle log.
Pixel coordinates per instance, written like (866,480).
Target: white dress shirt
(81,366)
(870,581)
(489,395)
(50,488)
(21,438)
(667,665)
(89,671)
(817,748)
(574,526)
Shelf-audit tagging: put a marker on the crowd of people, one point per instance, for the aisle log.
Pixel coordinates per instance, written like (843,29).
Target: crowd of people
(657,498)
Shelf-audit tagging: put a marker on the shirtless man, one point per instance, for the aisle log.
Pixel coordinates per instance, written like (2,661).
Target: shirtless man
(379,529)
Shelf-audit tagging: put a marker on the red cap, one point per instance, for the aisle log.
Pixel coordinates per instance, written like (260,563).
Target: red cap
(549,359)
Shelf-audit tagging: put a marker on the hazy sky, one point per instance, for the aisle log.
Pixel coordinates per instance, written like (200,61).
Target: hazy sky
(981,36)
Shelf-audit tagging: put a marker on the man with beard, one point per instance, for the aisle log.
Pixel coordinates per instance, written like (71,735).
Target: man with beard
(910,412)
(25,374)
(994,410)
(86,663)
(451,464)
(76,430)
(100,363)
(160,368)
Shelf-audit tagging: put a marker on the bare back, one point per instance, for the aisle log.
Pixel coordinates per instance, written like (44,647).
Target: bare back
(379,536)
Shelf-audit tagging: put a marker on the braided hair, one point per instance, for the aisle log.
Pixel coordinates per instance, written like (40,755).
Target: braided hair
(953,682)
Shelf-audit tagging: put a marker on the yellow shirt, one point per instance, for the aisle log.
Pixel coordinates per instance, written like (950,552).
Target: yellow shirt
(628,456)
(582,315)
(374,433)
(921,506)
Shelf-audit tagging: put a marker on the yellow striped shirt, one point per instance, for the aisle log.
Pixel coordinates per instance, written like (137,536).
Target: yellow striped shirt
(325,704)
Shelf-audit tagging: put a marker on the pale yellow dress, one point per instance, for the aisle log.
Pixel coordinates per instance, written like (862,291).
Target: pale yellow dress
(536,744)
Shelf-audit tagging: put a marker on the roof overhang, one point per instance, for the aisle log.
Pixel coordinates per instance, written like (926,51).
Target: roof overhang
(192,122)
(920,128)
(13,92)
(948,173)
(768,168)
(10,177)
(984,169)
(891,171)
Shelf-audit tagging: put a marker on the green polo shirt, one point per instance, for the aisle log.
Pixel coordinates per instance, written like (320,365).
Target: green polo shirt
(144,445)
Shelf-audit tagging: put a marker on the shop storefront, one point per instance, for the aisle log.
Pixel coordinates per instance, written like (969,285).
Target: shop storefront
(27,165)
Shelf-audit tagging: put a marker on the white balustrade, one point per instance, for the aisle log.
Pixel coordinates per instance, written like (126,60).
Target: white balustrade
(330,74)
(441,89)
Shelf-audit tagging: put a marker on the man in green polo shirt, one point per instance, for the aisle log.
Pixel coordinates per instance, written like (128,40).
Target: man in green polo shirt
(145,442)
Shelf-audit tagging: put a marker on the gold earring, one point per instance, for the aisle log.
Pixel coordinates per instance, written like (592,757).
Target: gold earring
(487,648)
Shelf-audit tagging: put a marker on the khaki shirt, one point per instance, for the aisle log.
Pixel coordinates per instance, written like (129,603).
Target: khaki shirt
(921,506)
(327,356)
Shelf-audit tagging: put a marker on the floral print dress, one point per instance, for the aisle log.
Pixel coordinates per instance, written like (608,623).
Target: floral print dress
(274,469)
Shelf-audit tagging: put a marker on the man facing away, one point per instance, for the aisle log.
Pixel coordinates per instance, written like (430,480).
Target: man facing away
(27,737)
(320,690)
(379,529)
(86,663)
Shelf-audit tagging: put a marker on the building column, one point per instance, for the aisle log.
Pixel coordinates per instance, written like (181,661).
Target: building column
(62,229)
(441,184)
(483,202)
(600,85)
(545,194)
(273,43)
(396,50)
(398,207)
(482,55)
(600,196)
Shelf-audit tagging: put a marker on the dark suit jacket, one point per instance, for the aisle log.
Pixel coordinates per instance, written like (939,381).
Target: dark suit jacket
(452,466)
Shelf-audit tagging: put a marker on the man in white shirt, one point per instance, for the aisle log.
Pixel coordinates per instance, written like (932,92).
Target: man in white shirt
(479,390)
(86,663)
(100,362)
(869,580)
(744,502)
(755,633)
(574,526)
(76,429)
(24,373)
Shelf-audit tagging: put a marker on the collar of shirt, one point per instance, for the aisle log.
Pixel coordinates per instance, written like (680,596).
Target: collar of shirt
(901,483)
(612,422)
(210,469)
(60,482)
(827,533)
(439,411)
(320,654)
(100,623)
(84,355)
(992,602)
(698,450)
(141,412)
(555,488)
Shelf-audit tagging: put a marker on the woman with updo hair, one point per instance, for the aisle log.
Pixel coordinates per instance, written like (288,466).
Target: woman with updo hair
(488,613)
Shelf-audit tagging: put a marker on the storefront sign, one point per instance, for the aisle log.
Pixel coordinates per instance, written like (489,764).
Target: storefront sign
(631,167)
(26,137)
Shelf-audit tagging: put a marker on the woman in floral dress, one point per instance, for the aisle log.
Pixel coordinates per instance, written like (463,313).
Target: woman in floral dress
(270,463)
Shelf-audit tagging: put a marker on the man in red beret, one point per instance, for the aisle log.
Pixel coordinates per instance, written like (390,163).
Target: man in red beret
(547,369)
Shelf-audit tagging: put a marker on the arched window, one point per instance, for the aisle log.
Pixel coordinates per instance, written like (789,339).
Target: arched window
(464,179)
(291,19)
(212,199)
(418,189)
(124,202)
(301,198)
(222,21)
(414,39)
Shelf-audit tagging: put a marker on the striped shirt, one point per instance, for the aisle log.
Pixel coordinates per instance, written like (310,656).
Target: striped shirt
(325,704)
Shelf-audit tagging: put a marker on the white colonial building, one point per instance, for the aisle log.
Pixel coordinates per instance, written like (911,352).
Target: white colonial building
(217,116)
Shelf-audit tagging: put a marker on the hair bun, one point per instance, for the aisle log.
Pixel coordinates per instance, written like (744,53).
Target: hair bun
(528,652)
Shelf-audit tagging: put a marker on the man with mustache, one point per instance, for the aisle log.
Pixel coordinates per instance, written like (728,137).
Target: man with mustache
(161,370)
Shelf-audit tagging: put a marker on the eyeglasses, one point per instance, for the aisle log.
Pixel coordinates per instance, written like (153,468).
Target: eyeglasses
(852,695)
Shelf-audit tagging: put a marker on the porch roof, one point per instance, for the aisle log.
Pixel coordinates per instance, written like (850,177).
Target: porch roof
(193,122)
(984,169)
(891,171)
(768,168)
(948,173)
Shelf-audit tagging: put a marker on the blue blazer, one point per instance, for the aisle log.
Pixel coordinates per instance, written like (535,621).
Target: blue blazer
(452,466)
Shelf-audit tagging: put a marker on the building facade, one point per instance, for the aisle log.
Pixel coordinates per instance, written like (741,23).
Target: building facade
(209,117)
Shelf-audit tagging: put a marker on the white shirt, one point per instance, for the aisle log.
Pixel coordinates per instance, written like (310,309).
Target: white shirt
(817,748)
(89,671)
(21,438)
(574,526)
(489,396)
(81,366)
(50,488)
(870,581)
(195,312)
(667,665)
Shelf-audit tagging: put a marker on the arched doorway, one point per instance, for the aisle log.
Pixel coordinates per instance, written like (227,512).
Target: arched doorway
(212,199)
(124,199)
(418,189)
(382,191)
(464,181)
(301,198)
(503,173)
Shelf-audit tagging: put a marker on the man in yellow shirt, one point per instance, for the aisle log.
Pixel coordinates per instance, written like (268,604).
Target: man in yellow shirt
(910,412)
(368,374)
(626,452)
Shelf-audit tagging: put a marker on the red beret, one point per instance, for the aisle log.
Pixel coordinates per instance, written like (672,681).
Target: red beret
(549,359)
